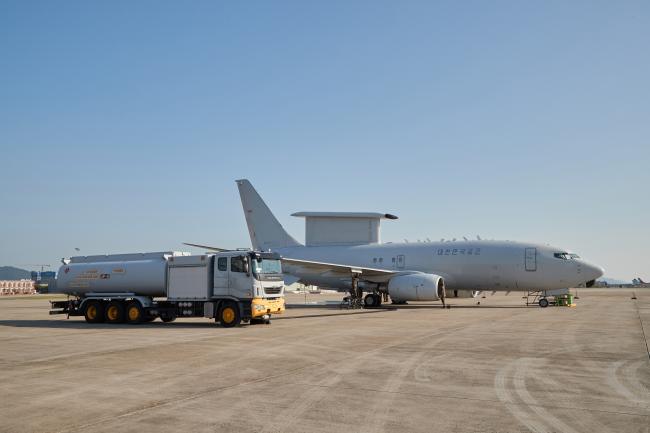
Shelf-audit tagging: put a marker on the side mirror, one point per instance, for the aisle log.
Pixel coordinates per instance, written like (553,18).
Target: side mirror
(247,267)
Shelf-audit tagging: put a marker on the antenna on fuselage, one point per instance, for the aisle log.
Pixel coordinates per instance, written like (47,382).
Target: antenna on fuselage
(478,238)
(464,238)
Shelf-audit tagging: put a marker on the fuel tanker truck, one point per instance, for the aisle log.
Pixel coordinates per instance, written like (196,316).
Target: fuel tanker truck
(230,287)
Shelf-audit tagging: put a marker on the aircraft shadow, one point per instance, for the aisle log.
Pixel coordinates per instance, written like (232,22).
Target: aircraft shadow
(452,306)
(340,314)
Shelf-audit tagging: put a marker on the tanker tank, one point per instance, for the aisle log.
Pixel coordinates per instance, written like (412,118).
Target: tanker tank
(144,274)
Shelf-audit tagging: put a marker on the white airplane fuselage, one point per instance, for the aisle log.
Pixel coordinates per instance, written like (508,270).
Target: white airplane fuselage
(340,245)
(465,265)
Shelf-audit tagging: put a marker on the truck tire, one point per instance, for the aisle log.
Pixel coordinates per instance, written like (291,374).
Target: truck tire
(229,314)
(94,312)
(167,319)
(115,312)
(134,313)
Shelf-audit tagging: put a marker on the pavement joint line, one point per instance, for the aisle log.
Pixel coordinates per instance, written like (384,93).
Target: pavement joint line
(484,400)
(645,339)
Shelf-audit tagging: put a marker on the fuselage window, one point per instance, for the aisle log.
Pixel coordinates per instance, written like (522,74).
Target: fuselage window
(381,260)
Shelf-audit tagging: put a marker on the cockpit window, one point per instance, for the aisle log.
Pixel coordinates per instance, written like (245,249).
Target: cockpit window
(566,256)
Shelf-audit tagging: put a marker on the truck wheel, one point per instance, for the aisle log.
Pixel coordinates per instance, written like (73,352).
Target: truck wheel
(229,315)
(134,313)
(115,312)
(167,319)
(94,312)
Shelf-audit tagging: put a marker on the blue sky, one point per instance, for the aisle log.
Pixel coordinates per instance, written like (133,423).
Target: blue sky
(123,125)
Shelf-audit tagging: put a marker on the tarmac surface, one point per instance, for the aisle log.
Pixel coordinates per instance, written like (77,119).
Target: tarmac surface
(497,367)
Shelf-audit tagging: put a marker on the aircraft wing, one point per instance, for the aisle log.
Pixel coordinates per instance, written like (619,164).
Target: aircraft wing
(207,247)
(337,270)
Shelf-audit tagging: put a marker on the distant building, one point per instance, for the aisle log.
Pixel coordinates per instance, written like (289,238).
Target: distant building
(17,287)
(45,282)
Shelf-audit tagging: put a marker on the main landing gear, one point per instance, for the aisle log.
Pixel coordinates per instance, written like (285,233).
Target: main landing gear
(372,300)
(356,294)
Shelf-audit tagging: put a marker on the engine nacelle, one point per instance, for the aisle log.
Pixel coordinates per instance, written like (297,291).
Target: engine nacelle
(463,293)
(416,287)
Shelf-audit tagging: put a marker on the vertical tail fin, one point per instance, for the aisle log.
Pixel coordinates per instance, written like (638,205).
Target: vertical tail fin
(265,230)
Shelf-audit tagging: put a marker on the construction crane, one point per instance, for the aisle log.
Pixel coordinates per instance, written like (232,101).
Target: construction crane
(42,265)
(39,264)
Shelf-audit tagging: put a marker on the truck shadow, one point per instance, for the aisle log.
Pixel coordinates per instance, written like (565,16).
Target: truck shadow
(79,324)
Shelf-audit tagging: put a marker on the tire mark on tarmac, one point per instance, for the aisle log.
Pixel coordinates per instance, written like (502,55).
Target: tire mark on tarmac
(517,409)
(522,367)
(311,397)
(635,392)
(172,401)
(376,419)
(552,387)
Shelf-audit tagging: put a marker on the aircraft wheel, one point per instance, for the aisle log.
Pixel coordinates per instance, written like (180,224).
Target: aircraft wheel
(94,312)
(370,301)
(543,302)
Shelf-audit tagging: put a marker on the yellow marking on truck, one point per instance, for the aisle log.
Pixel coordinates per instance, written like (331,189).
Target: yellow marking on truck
(261,306)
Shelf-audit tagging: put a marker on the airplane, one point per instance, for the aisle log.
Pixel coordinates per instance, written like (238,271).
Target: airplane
(343,251)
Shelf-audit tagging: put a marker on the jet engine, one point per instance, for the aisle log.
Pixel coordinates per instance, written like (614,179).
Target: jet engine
(463,293)
(416,287)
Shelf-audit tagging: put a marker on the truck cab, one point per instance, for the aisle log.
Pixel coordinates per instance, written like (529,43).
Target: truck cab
(250,275)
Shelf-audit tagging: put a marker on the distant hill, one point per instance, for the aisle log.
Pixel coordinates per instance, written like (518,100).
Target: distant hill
(11,273)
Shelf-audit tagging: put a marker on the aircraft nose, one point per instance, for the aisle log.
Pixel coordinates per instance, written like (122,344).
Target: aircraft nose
(593,272)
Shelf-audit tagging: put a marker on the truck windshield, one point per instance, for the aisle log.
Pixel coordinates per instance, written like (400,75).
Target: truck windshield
(267,266)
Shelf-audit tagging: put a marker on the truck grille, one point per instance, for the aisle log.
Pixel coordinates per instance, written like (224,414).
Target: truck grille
(272,290)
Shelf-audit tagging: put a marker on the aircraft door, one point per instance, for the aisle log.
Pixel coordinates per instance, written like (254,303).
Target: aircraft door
(401,261)
(531,259)
(221,277)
